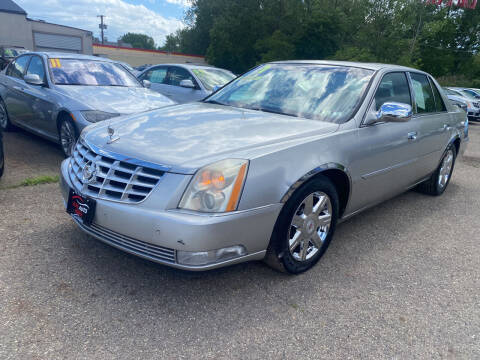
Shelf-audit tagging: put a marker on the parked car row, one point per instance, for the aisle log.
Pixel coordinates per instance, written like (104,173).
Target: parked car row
(466,98)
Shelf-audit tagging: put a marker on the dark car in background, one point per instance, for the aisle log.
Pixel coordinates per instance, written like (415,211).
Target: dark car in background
(8,53)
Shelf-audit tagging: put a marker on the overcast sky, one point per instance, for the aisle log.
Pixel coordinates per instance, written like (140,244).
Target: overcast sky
(156,18)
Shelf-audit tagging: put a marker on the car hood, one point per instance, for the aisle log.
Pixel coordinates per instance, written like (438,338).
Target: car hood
(186,137)
(115,99)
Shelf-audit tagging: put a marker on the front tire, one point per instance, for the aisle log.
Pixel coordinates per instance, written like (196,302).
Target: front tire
(68,135)
(439,180)
(305,227)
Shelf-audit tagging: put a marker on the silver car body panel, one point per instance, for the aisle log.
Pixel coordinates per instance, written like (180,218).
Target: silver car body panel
(380,161)
(36,108)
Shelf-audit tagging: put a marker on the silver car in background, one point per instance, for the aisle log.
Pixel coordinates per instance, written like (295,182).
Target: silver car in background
(55,95)
(186,82)
(470,97)
(265,167)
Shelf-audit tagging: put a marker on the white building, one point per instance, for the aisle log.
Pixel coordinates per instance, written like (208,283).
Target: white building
(16,29)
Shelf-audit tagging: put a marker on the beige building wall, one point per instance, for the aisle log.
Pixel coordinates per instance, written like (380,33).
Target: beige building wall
(15,30)
(137,57)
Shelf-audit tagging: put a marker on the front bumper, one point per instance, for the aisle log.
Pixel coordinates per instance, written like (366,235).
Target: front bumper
(158,235)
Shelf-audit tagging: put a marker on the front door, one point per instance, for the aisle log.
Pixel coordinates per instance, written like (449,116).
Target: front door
(385,162)
(16,102)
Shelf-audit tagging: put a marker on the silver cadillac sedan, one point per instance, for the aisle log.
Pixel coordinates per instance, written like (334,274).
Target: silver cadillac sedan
(55,95)
(264,168)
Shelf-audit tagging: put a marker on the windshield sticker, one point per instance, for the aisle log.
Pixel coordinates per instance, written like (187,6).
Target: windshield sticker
(55,63)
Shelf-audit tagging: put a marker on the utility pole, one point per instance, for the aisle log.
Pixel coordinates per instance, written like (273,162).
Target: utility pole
(102,26)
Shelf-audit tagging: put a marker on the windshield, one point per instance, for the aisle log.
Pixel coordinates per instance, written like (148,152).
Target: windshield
(320,92)
(213,77)
(90,72)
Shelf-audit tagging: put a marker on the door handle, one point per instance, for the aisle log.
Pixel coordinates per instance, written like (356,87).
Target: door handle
(412,135)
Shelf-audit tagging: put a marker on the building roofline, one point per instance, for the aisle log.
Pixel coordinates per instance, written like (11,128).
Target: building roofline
(147,50)
(11,7)
(66,26)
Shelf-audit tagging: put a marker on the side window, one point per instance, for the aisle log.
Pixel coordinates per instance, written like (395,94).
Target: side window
(177,74)
(36,67)
(156,75)
(393,87)
(439,104)
(423,93)
(17,68)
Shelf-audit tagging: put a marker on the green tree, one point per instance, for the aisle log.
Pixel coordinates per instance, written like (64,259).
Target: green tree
(140,41)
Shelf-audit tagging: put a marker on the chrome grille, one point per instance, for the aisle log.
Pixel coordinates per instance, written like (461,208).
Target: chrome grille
(114,179)
(476,104)
(153,252)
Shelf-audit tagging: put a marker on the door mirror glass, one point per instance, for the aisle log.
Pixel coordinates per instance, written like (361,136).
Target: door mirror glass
(187,83)
(146,84)
(33,79)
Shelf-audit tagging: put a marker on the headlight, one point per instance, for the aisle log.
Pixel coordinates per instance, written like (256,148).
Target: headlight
(216,187)
(96,116)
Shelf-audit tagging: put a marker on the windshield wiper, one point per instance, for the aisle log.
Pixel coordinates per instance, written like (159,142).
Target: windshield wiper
(270,111)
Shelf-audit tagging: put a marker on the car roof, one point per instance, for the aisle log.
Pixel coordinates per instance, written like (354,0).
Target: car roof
(190,66)
(64,55)
(364,65)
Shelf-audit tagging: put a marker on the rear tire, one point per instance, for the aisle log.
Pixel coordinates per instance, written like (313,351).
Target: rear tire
(439,180)
(5,124)
(304,228)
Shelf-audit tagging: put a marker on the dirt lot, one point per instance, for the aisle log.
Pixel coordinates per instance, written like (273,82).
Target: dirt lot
(401,280)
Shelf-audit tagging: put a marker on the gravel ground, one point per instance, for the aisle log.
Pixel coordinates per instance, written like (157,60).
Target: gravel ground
(399,281)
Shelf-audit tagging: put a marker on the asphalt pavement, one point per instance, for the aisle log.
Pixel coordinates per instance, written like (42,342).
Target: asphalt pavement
(401,281)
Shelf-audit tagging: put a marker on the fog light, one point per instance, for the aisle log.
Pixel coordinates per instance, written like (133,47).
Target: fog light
(198,258)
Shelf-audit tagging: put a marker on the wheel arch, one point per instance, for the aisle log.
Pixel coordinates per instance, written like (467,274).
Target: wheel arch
(61,114)
(336,173)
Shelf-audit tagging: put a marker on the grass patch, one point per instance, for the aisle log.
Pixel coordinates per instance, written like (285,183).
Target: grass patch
(45,179)
(32,181)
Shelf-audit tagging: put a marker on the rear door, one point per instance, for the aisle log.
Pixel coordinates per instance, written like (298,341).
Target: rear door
(17,104)
(158,78)
(433,119)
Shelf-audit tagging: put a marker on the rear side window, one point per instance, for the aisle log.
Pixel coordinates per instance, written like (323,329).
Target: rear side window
(439,104)
(423,93)
(156,75)
(36,67)
(17,68)
(393,88)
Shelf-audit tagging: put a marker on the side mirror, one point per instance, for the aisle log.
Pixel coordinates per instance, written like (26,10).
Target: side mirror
(391,112)
(33,79)
(147,84)
(187,83)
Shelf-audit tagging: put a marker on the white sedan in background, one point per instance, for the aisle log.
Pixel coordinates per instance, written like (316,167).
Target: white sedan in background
(184,83)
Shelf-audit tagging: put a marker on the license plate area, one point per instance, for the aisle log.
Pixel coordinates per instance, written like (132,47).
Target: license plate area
(82,207)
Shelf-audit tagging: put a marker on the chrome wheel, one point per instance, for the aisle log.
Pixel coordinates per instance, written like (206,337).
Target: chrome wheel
(445,169)
(3,116)
(67,137)
(310,225)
